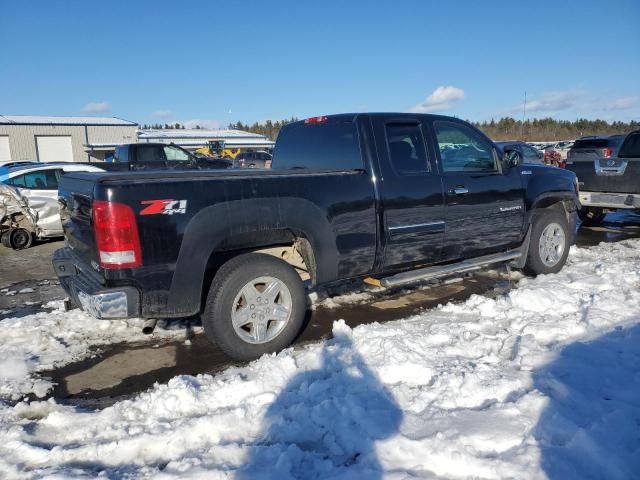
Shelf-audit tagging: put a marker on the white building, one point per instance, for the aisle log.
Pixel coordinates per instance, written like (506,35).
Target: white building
(195,138)
(68,139)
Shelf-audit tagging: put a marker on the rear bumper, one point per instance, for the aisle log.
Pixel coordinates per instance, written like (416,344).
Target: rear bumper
(86,291)
(610,200)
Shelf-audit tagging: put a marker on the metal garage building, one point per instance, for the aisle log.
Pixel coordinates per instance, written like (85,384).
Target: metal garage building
(47,139)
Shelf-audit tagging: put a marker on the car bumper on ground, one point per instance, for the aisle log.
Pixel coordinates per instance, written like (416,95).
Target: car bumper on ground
(609,200)
(86,291)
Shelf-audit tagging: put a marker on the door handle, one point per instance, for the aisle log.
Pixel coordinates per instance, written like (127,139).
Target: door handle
(458,190)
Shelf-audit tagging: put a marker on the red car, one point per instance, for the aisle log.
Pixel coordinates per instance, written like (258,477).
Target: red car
(553,157)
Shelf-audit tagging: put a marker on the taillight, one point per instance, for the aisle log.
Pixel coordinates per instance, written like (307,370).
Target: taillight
(116,234)
(607,152)
(315,120)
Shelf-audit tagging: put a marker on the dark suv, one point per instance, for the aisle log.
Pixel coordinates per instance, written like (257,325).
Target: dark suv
(608,171)
(528,154)
(253,160)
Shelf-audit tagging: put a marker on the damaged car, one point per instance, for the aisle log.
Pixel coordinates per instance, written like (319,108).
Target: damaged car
(29,201)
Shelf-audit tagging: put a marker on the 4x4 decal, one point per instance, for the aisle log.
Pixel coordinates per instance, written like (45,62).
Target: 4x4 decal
(164,207)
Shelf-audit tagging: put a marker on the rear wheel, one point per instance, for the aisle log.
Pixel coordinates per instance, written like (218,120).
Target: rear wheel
(20,238)
(591,215)
(256,305)
(549,246)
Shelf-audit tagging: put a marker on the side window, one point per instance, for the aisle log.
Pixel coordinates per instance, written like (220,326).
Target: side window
(149,153)
(326,146)
(175,154)
(462,150)
(406,149)
(42,180)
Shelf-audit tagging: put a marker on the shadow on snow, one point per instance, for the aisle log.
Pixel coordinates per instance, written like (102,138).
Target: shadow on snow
(326,421)
(591,426)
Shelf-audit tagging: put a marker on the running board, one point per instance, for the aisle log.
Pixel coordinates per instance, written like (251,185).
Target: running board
(429,273)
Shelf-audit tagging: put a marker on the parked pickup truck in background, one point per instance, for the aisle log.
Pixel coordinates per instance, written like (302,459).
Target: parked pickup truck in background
(159,156)
(388,198)
(608,170)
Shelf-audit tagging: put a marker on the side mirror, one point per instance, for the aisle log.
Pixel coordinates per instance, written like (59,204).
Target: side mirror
(513,157)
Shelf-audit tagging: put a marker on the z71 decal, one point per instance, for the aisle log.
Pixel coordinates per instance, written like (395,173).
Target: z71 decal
(164,207)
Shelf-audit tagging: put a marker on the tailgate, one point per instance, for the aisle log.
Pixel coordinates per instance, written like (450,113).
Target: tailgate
(614,175)
(75,192)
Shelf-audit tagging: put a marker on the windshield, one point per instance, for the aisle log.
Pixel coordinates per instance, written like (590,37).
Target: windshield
(4,174)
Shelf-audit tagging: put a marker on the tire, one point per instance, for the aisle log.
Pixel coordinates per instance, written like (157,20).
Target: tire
(20,238)
(549,245)
(230,297)
(6,239)
(591,216)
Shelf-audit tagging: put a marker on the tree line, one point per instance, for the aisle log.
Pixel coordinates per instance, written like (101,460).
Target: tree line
(543,129)
(507,128)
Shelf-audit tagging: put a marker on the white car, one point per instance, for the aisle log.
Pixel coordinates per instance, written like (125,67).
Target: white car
(563,148)
(29,201)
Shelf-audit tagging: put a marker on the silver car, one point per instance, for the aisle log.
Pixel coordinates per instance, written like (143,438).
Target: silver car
(29,201)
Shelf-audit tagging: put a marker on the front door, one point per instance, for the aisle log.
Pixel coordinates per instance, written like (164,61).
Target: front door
(411,194)
(484,199)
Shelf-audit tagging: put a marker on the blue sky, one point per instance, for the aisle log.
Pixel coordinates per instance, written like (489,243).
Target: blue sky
(213,62)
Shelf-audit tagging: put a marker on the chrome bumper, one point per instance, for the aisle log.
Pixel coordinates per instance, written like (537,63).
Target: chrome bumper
(85,290)
(609,200)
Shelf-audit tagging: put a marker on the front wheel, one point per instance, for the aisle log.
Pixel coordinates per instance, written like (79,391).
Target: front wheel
(550,242)
(256,305)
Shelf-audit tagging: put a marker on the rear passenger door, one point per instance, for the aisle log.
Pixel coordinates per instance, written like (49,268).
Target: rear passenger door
(410,192)
(484,201)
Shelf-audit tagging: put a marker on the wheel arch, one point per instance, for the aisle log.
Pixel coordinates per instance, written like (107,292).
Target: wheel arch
(220,232)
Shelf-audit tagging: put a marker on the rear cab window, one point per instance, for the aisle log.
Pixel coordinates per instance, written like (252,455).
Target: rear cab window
(330,145)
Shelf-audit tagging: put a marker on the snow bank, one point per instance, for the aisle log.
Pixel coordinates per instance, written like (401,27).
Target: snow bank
(43,341)
(544,381)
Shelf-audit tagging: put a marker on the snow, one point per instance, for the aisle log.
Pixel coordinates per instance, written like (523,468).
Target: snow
(46,340)
(542,382)
(197,133)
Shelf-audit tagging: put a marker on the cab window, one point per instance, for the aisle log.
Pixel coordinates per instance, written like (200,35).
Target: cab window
(463,150)
(175,154)
(149,153)
(406,149)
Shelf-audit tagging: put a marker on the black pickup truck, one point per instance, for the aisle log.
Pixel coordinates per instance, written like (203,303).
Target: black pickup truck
(158,156)
(387,198)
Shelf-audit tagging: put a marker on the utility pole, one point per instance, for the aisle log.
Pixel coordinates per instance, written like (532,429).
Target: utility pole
(524,114)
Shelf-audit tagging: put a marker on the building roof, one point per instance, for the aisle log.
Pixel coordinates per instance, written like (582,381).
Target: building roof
(193,138)
(222,134)
(52,120)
